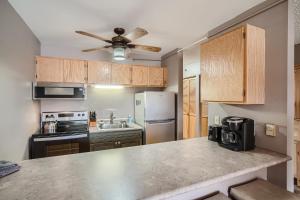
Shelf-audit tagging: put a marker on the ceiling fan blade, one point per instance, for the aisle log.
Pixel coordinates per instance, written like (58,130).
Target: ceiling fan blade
(94,36)
(137,33)
(145,47)
(96,49)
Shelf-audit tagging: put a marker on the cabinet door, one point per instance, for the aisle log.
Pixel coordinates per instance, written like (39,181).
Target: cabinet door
(165,76)
(222,68)
(139,75)
(49,69)
(204,109)
(74,71)
(186,96)
(102,146)
(130,143)
(192,97)
(121,74)
(185,126)
(156,76)
(99,72)
(204,126)
(192,126)
(297,93)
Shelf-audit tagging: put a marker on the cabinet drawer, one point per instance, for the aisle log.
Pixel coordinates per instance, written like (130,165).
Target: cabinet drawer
(101,146)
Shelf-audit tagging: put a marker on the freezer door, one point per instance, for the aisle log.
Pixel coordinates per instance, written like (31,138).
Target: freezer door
(159,131)
(159,106)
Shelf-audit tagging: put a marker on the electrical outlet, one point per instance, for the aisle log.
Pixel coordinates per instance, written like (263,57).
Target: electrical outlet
(217,119)
(271,130)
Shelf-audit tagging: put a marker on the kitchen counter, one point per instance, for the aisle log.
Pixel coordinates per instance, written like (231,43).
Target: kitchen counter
(151,171)
(98,130)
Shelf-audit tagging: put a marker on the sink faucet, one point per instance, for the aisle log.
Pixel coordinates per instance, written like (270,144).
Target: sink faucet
(111,121)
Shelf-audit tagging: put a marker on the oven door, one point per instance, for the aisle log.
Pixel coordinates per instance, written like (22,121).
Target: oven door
(56,145)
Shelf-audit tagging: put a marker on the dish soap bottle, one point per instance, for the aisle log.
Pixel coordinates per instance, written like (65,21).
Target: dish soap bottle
(130,120)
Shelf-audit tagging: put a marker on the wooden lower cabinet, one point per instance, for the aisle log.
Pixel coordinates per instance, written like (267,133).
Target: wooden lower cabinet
(112,140)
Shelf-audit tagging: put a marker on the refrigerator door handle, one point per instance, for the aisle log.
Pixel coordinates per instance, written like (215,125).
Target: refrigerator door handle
(167,121)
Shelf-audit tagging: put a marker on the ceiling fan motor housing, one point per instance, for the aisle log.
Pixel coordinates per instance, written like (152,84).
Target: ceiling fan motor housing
(119,31)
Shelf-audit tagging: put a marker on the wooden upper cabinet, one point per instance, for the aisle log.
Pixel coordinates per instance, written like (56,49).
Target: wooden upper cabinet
(75,71)
(99,72)
(233,67)
(165,76)
(121,74)
(156,77)
(186,96)
(139,75)
(49,69)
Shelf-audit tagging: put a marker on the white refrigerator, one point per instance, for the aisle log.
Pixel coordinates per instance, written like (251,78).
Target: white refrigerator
(155,112)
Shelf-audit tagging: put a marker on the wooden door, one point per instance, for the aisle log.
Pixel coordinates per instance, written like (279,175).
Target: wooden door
(192,96)
(192,126)
(185,126)
(204,127)
(74,71)
(297,93)
(99,72)
(49,69)
(186,96)
(165,76)
(121,74)
(139,75)
(222,67)
(156,76)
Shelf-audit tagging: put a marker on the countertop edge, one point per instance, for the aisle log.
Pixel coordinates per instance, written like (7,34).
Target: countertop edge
(196,186)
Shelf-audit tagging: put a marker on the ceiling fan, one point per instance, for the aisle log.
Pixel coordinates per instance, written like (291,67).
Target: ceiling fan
(120,43)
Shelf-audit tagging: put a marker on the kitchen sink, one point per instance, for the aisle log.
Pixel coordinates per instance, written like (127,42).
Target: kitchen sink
(113,126)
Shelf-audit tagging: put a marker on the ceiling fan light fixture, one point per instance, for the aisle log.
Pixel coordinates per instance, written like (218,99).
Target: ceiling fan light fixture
(119,53)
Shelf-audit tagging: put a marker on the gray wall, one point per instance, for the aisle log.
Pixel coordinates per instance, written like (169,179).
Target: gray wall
(19,117)
(173,61)
(100,100)
(275,22)
(297,54)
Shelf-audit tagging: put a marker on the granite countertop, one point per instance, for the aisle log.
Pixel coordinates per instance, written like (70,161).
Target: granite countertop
(150,171)
(131,127)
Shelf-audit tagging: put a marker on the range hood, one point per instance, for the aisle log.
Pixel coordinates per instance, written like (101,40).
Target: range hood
(58,91)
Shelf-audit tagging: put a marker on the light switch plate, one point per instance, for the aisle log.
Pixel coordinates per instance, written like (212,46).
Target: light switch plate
(271,130)
(217,119)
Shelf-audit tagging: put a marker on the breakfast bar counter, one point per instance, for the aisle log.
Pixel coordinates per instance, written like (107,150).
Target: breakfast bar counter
(157,171)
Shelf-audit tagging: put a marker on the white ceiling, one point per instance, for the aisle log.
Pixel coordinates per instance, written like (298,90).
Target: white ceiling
(171,23)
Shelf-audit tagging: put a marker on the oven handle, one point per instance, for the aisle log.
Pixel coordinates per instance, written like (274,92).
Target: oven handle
(60,138)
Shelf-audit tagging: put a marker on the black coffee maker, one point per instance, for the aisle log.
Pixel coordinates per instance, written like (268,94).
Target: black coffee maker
(215,132)
(237,133)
